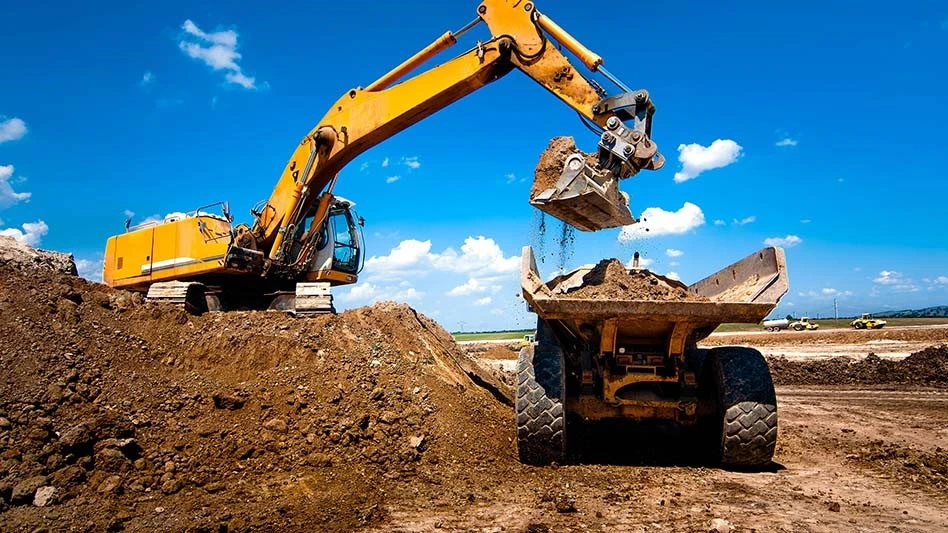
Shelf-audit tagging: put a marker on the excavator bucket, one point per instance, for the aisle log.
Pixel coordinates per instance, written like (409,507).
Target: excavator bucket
(584,197)
(574,187)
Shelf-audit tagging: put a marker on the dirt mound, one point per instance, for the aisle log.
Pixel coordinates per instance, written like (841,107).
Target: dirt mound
(611,280)
(16,255)
(126,414)
(550,166)
(927,367)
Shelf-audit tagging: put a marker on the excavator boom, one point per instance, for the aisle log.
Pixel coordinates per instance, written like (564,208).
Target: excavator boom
(586,197)
(304,233)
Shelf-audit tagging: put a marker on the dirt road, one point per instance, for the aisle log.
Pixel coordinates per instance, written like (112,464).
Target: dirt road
(848,460)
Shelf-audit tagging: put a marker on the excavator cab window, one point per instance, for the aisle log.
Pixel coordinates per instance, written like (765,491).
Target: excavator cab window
(346,254)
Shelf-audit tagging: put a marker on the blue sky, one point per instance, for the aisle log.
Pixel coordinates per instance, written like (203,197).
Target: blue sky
(816,123)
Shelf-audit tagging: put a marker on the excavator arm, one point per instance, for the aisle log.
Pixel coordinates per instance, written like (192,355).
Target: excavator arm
(521,38)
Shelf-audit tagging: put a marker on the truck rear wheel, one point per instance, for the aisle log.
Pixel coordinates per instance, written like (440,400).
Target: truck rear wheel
(745,417)
(541,418)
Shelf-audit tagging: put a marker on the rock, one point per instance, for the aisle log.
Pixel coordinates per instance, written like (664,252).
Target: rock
(227,401)
(24,257)
(319,460)
(67,477)
(277,425)
(417,442)
(23,491)
(564,504)
(54,393)
(44,496)
(388,417)
(111,460)
(377,394)
(834,507)
(171,486)
(128,447)
(720,525)
(170,467)
(77,440)
(4,424)
(112,484)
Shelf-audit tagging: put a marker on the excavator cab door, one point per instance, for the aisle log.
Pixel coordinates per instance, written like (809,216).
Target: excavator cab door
(347,252)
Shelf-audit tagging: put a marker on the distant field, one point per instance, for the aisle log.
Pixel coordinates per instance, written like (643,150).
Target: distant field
(841,323)
(495,336)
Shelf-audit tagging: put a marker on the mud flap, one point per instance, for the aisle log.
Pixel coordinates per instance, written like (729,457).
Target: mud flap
(585,198)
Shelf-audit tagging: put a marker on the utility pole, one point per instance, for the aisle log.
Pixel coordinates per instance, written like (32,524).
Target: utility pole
(836,307)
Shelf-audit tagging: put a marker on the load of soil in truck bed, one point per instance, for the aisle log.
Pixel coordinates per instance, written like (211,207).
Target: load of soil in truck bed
(611,280)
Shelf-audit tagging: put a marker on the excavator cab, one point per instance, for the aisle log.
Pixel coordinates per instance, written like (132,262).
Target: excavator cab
(338,257)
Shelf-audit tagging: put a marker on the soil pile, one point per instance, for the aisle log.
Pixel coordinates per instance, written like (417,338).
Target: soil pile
(611,280)
(116,413)
(927,367)
(19,256)
(550,166)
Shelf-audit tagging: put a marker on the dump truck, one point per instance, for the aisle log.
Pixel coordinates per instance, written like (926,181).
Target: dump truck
(867,322)
(632,357)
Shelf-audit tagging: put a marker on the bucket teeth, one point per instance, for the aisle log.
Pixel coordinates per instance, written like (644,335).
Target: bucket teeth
(585,198)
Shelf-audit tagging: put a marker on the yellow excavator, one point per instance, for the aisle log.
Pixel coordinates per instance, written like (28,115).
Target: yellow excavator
(304,239)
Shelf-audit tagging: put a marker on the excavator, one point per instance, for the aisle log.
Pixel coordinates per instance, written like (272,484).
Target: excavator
(304,239)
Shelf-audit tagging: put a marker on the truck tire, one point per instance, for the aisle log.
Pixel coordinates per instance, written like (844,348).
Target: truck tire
(745,419)
(541,417)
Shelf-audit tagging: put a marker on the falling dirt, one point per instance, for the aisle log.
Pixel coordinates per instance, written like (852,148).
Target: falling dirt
(611,280)
(565,244)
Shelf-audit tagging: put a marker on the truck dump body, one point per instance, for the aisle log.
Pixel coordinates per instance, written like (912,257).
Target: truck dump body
(626,341)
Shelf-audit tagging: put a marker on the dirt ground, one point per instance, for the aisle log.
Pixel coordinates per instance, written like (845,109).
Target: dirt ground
(116,414)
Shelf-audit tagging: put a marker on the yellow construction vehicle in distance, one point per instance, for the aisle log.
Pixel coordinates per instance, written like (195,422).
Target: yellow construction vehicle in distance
(304,239)
(804,324)
(867,322)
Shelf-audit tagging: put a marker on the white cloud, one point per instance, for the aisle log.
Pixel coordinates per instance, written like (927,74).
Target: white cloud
(805,221)
(720,222)
(673,275)
(671,252)
(484,301)
(12,129)
(129,213)
(896,281)
(696,159)
(511,177)
(480,257)
(787,141)
(411,162)
(370,293)
(147,79)
(217,50)
(657,222)
(364,166)
(644,262)
(888,277)
(942,280)
(744,221)
(784,242)
(90,269)
(674,264)
(8,196)
(31,233)
(476,286)
(833,292)
(392,179)
(385,162)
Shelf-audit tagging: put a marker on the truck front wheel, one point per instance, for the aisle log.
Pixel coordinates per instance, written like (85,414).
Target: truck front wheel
(541,418)
(745,414)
